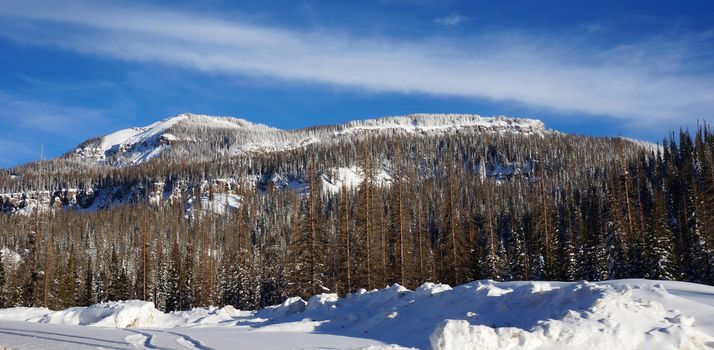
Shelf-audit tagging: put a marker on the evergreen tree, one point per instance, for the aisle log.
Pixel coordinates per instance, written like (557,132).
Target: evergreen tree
(617,264)
(365,275)
(594,260)
(88,297)
(118,286)
(305,249)
(705,160)
(172,285)
(453,245)
(187,293)
(545,230)
(518,268)
(697,250)
(494,265)
(567,259)
(659,243)
(67,282)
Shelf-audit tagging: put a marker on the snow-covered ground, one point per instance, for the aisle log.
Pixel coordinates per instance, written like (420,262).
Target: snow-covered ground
(623,314)
(351,177)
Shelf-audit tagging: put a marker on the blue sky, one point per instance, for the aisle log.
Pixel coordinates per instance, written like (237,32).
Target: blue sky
(70,70)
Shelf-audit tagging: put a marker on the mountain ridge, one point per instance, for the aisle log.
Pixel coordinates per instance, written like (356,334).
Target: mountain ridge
(136,145)
(186,155)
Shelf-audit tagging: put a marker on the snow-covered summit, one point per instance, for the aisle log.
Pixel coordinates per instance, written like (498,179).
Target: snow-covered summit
(441,122)
(138,144)
(237,136)
(142,134)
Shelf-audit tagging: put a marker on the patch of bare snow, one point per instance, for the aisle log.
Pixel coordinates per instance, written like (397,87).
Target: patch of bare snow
(10,257)
(221,203)
(334,179)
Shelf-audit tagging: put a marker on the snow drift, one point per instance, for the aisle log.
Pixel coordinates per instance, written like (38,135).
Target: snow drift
(581,315)
(118,314)
(626,314)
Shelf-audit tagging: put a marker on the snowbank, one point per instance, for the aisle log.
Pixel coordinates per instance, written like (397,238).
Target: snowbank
(290,306)
(627,314)
(119,314)
(126,314)
(210,315)
(582,316)
(514,315)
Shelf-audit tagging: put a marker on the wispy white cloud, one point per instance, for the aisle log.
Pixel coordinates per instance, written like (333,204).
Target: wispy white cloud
(635,82)
(450,21)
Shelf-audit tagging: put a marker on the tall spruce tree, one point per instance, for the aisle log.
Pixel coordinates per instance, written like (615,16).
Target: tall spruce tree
(659,243)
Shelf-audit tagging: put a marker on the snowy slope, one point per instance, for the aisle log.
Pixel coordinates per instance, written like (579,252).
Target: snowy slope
(136,145)
(623,314)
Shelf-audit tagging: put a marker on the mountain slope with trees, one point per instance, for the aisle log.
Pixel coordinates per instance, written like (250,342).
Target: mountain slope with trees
(449,206)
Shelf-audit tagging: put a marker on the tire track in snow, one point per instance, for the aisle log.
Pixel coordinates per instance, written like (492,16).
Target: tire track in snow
(58,338)
(185,343)
(138,341)
(142,340)
(190,342)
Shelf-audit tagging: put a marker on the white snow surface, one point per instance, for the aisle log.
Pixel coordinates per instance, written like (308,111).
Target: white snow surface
(334,179)
(138,135)
(621,314)
(221,202)
(9,256)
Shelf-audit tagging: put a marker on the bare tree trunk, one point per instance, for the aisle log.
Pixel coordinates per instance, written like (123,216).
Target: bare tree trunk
(314,193)
(347,237)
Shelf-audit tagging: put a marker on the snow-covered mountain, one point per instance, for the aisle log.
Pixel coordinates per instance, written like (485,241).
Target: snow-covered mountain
(188,138)
(226,136)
